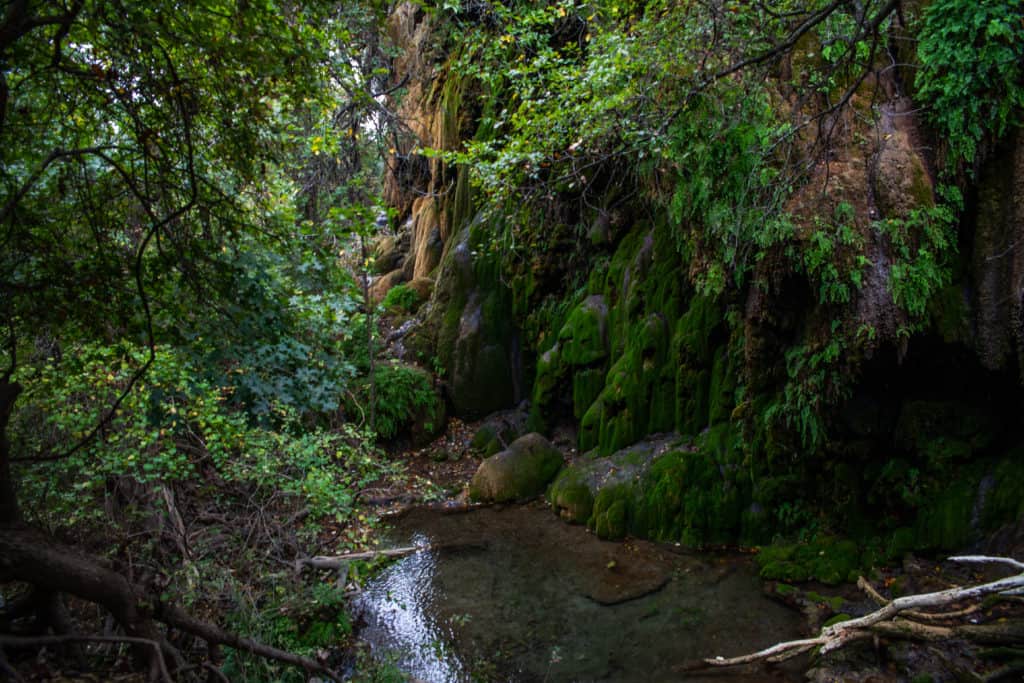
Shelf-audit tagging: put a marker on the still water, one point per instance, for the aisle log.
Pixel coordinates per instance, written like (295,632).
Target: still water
(515,594)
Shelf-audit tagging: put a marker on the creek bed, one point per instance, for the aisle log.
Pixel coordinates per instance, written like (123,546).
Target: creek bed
(515,594)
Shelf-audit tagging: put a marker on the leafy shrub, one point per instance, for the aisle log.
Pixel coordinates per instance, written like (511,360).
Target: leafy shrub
(302,619)
(924,244)
(174,424)
(972,70)
(403,393)
(282,341)
(401,299)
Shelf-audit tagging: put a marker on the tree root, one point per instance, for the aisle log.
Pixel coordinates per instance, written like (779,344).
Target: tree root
(901,618)
(38,641)
(29,556)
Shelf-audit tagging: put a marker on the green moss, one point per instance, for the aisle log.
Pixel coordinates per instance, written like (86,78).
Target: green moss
(462,205)
(613,522)
(695,330)
(827,559)
(571,497)
(402,299)
(685,497)
(691,400)
(618,431)
(590,426)
(784,589)
(549,376)
(486,434)
(586,387)
(610,512)
(1005,501)
(945,522)
(833,602)
(636,389)
(722,392)
(486,441)
(902,541)
(785,571)
(921,187)
(663,402)
(583,338)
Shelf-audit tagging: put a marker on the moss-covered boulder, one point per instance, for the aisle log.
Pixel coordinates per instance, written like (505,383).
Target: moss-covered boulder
(571,497)
(574,491)
(519,473)
(663,489)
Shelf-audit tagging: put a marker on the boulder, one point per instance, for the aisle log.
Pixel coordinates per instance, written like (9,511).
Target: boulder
(388,252)
(423,286)
(380,286)
(519,473)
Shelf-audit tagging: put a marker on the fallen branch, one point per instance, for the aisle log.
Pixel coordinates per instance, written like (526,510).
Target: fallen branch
(339,561)
(884,621)
(917,616)
(214,635)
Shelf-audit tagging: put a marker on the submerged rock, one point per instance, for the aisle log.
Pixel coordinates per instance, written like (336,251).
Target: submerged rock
(519,473)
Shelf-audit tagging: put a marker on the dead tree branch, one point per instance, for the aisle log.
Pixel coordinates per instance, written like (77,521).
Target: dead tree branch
(338,561)
(896,618)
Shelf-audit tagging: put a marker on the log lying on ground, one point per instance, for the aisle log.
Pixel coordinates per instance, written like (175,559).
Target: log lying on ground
(339,561)
(893,618)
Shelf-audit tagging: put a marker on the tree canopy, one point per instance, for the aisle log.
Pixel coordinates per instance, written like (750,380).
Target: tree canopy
(177,185)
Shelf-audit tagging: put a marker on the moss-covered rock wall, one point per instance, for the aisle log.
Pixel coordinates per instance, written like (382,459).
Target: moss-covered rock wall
(851,368)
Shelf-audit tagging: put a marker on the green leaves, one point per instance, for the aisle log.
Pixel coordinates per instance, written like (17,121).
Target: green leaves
(972,71)
(924,244)
(173,426)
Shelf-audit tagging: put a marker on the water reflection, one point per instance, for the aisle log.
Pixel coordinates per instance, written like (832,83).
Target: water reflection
(516,595)
(400,607)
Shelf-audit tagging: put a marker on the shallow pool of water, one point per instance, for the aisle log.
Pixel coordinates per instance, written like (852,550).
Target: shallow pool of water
(515,594)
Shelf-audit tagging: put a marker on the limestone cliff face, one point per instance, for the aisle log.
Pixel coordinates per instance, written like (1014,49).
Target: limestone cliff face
(467,326)
(997,259)
(422,190)
(874,164)
(812,378)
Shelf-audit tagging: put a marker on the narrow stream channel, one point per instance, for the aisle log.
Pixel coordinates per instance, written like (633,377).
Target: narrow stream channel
(515,594)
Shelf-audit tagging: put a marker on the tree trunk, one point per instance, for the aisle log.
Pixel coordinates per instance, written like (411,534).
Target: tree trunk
(10,513)
(369,332)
